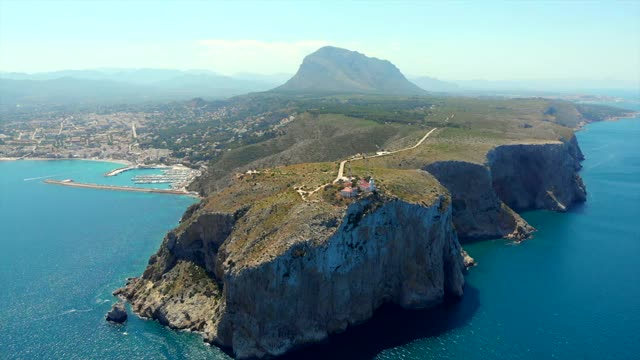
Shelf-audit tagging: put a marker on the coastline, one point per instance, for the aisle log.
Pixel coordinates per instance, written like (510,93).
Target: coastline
(115,161)
(631,115)
(182,190)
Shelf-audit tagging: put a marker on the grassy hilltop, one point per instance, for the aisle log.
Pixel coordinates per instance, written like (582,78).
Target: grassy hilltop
(307,154)
(332,128)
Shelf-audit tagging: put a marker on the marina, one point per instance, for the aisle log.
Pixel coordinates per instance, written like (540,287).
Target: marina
(178,176)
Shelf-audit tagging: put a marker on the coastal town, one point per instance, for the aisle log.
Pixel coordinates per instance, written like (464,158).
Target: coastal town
(190,133)
(179,139)
(115,136)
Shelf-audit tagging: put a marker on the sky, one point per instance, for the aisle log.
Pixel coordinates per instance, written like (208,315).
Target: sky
(445,39)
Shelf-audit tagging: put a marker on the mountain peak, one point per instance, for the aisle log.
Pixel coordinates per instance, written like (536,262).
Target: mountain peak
(336,70)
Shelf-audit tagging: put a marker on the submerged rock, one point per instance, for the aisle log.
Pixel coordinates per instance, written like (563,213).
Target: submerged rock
(118,313)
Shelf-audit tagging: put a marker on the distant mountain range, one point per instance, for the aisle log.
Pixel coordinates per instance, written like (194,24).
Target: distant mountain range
(328,70)
(127,86)
(335,70)
(434,85)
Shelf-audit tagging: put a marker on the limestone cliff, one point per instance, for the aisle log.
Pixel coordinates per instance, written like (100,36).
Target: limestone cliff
(318,271)
(478,212)
(519,177)
(260,270)
(537,176)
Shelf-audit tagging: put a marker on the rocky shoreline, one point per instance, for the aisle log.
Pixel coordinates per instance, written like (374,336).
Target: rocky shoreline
(630,114)
(263,295)
(309,290)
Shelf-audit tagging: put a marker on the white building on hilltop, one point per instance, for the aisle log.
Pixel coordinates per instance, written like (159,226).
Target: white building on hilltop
(367,186)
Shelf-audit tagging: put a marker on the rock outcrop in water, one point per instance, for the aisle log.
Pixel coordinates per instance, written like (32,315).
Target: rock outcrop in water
(117,314)
(263,297)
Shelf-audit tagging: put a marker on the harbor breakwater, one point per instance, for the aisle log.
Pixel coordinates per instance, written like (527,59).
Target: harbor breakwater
(120,188)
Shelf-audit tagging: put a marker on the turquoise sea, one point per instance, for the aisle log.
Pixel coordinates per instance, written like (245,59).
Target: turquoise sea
(572,292)
(64,250)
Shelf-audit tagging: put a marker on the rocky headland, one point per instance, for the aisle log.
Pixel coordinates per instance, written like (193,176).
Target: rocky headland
(319,271)
(266,276)
(275,259)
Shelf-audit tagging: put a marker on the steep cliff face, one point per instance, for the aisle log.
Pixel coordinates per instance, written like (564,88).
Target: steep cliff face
(478,212)
(198,242)
(177,288)
(260,271)
(398,252)
(537,176)
(519,177)
(332,272)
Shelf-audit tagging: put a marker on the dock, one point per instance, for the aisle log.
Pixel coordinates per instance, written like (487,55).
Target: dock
(120,170)
(120,188)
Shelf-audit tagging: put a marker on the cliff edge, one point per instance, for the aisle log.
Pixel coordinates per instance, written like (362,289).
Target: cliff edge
(538,176)
(269,277)
(515,177)
(264,267)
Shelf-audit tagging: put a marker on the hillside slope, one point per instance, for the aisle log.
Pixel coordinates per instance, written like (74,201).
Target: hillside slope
(336,70)
(277,258)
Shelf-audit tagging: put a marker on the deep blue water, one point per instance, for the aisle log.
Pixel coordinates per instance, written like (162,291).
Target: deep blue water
(572,292)
(64,250)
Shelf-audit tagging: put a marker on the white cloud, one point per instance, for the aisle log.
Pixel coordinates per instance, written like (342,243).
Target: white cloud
(232,56)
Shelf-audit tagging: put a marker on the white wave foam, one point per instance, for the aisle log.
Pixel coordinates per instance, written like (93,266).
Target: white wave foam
(41,177)
(67,312)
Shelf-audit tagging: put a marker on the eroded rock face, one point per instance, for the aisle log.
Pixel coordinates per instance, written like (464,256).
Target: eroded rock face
(478,212)
(117,314)
(381,250)
(519,177)
(400,253)
(537,176)
(319,268)
(198,243)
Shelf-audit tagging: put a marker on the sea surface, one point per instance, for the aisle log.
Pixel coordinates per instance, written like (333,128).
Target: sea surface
(63,250)
(92,172)
(572,292)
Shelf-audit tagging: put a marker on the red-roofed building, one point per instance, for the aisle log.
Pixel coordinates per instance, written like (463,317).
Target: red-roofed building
(367,186)
(349,192)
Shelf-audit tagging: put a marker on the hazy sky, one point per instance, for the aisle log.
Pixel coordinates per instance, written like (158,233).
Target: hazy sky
(448,40)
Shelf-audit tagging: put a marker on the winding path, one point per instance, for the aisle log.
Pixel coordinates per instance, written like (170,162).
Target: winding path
(341,169)
(340,176)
